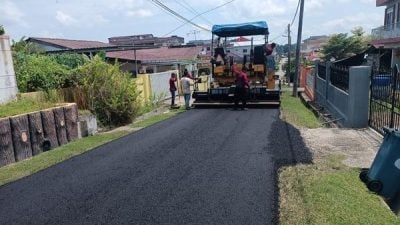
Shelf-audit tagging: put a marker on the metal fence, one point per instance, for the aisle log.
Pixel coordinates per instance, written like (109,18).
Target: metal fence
(322,70)
(385,100)
(340,77)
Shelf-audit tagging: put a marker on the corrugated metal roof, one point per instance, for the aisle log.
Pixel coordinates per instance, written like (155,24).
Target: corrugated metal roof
(157,54)
(70,44)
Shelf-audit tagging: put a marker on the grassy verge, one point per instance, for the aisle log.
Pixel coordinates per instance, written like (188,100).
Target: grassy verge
(25,168)
(329,193)
(157,118)
(296,113)
(23,106)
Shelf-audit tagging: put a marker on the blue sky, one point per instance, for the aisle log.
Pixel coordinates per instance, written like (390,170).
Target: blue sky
(100,19)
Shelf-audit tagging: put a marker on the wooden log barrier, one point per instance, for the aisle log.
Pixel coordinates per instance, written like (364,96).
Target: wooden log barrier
(71,121)
(59,120)
(36,132)
(49,130)
(6,143)
(21,137)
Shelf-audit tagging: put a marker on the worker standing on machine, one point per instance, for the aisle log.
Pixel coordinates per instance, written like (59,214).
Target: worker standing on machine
(242,84)
(270,65)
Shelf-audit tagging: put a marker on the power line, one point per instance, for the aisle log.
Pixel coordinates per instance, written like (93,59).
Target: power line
(295,14)
(166,8)
(188,7)
(278,36)
(291,24)
(200,14)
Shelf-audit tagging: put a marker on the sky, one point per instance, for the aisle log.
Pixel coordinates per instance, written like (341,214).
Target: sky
(101,19)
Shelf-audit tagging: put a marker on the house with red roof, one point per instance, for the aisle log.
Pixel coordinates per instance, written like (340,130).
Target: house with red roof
(158,59)
(57,44)
(134,59)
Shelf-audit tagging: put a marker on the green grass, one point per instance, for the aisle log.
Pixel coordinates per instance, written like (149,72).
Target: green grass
(25,168)
(23,106)
(157,118)
(329,193)
(296,113)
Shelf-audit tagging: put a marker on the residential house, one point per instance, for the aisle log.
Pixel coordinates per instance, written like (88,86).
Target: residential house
(388,36)
(158,59)
(146,40)
(66,45)
(311,46)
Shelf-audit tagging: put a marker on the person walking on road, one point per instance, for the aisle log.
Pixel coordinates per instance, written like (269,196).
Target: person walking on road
(172,89)
(242,84)
(185,83)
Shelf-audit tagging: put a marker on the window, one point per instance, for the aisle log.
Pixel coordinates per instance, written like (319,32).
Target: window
(389,18)
(228,51)
(398,12)
(244,50)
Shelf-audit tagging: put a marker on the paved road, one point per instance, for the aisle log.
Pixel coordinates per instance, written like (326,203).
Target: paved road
(209,166)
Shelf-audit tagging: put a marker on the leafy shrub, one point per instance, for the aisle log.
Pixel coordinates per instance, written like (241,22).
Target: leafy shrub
(111,94)
(38,73)
(70,60)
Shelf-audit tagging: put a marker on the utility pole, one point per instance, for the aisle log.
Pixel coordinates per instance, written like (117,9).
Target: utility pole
(194,32)
(298,45)
(289,52)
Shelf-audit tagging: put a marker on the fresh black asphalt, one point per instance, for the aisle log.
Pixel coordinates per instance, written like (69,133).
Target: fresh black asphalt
(205,166)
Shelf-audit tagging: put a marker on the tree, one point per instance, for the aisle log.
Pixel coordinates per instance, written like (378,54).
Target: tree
(341,45)
(2,30)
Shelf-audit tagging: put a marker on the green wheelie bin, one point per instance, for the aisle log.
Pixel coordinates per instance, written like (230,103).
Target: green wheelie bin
(383,177)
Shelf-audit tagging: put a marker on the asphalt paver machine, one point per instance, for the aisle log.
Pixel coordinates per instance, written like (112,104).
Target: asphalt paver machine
(263,91)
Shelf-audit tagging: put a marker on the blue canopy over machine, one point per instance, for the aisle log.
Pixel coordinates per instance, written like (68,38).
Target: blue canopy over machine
(241,29)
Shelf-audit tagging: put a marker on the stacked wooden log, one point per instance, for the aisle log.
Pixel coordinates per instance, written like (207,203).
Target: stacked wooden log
(27,135)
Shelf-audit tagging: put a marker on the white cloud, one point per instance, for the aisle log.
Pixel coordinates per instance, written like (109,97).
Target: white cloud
(365,20)
(139,13)
(9,11)
(66,19)
(99,19)
(50,34)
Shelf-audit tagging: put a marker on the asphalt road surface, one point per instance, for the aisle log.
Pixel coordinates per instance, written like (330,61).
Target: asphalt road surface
(206,166)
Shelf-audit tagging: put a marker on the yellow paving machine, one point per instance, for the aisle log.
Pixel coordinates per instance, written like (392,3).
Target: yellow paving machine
(263,89)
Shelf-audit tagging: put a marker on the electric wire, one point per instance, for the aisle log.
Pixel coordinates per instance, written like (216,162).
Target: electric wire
(188,7)
(295,15)
(200,14)
(167,9)
(291,24)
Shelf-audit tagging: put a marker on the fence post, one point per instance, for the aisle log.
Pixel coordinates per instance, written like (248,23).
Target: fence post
(394,87)
(327,81)
(358,105)
(315,78)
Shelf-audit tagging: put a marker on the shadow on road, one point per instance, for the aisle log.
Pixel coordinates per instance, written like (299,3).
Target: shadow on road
(289,149)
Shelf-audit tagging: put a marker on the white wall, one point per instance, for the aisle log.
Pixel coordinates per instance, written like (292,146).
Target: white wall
(8,84)
(160,84)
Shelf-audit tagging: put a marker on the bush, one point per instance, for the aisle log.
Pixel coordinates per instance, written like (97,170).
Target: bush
(111,94)
(70,60)
(2,30)
(38,73)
